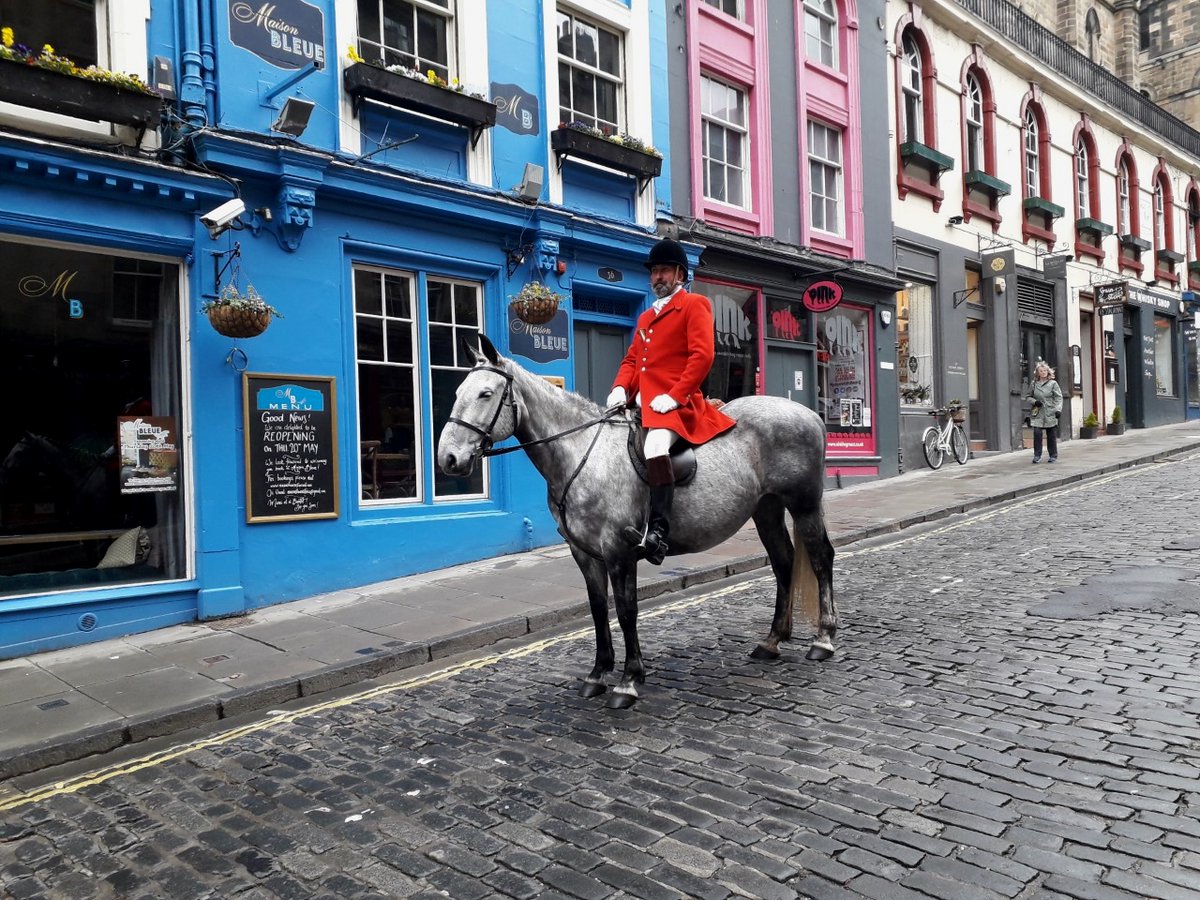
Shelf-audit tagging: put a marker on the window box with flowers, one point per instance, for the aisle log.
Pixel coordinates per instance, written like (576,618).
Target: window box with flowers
(623,152)
(426,94)
(46,81)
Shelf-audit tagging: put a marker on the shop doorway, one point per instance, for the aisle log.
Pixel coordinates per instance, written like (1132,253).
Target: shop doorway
(91,480)
(599,350)
(792,372)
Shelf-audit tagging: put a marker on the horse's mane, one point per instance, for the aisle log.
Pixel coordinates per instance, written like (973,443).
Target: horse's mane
(575,403)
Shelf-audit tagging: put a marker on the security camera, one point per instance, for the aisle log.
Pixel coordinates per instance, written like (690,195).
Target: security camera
(217,220)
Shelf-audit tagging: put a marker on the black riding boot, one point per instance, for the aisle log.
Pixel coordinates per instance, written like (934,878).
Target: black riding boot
(652,546)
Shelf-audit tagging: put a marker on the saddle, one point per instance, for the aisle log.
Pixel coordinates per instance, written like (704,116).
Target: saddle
(683,455)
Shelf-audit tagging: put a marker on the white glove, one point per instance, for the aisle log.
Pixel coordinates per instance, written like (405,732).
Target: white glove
(663,403)
(616,397)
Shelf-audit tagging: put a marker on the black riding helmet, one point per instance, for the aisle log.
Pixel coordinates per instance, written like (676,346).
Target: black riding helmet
(668,253)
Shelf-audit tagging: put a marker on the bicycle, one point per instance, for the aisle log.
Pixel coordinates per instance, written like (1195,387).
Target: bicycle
(939,440)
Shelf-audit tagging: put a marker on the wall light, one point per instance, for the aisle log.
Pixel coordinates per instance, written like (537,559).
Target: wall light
(294,116)
(885,317)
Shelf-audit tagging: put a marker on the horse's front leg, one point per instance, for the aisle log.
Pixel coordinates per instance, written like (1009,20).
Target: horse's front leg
(622,571)
(596,578)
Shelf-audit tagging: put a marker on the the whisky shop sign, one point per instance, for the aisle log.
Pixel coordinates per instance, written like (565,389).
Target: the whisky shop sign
(289,34)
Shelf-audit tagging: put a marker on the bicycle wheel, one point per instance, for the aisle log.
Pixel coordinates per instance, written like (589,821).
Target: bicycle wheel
(931,443)
(958,443)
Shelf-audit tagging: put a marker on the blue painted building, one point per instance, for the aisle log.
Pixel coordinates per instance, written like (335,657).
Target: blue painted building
(154,471)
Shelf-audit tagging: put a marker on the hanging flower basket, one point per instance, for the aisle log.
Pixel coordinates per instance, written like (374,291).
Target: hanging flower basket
(536,304)
(238,315)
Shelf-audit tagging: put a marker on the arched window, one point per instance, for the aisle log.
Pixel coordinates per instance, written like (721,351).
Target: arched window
(913,72)
(821,32)
(1193,235)
(1083,202)
(1033,161)
(976,160)
(1166,257)
(1124,197)
(1092,33)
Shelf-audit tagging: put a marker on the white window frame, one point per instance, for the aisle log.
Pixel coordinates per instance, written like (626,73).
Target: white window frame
(1124,201)
(471,51)
(121,46)
(633,21)
(1083,179)
(596,72)
(832,170)
(821,32)
(913,114)
(1160,218)
(738,8)
(976,149)
(740,133)
(374,52)
(1033,167)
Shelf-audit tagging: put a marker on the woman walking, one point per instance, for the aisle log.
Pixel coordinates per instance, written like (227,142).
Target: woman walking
(1047,399)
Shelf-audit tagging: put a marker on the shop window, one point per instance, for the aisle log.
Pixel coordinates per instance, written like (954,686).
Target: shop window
(92,488)
(735,323)
(825,178)
(398,335)
(590,76)
(415,34)
(843,369)
(914,334)
(726,138)
(1164,356)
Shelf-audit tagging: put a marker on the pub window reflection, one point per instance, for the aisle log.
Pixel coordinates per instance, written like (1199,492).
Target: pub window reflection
(735,324)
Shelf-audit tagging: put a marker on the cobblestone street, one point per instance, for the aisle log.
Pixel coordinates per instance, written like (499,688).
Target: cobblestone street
(988,728)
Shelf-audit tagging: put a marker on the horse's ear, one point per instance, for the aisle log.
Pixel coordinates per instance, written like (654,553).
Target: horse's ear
(489,351)
(470,350)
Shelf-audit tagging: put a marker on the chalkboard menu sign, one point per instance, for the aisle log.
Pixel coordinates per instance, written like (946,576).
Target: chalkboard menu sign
(290,422)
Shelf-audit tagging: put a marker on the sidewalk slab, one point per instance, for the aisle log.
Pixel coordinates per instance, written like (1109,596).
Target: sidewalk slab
(68,704)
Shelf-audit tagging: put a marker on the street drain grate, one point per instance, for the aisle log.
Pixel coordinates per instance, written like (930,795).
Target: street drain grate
(53,704)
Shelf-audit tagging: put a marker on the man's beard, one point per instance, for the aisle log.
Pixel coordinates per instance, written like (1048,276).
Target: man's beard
(662,289)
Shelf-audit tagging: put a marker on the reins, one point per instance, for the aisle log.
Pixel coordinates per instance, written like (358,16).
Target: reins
(486,449)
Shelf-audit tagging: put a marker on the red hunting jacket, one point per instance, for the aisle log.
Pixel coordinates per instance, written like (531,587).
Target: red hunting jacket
(672,353)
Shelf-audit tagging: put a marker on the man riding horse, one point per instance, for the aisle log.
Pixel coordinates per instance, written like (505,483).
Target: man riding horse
(671,355)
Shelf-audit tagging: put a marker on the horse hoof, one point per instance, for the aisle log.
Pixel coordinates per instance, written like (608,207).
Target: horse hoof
(761,652)
(620,700)
(590,689)
(818,654)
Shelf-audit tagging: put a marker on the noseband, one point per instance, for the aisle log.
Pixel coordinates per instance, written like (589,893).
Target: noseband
(485,446)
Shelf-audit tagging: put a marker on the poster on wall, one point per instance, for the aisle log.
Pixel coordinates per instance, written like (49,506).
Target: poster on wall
(149,454)
(290,424)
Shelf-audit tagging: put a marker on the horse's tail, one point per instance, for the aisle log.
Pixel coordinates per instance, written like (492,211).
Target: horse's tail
(805,591)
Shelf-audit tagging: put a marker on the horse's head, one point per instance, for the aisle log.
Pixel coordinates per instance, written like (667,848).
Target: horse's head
(484,411)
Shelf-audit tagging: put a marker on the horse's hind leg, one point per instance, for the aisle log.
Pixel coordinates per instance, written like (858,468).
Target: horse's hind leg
(596,578)
(810,530)
(772,530)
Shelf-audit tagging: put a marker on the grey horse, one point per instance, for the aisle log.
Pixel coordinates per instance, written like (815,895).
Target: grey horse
(773,460)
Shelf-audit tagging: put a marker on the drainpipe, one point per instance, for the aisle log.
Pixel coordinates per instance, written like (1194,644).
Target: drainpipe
(208,62)
(191,84)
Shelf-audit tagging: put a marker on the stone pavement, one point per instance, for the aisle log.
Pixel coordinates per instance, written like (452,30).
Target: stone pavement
(64,705)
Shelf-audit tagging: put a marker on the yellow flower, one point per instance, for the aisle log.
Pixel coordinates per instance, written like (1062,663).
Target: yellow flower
(47,50)
(353,54)
(6,34)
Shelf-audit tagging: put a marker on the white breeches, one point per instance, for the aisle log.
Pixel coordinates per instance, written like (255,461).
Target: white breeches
(658,442)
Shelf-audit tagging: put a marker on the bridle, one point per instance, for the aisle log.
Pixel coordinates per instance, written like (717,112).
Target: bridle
(485,446)
(507,396)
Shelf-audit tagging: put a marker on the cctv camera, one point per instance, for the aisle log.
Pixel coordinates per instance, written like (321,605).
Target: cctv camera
(217,220)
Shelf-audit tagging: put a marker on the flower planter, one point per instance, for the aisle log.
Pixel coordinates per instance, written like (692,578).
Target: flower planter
(534,310)
(38,88)
(1088,432)
(1115,428)
(238,323)
(367,82)
(570,142)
